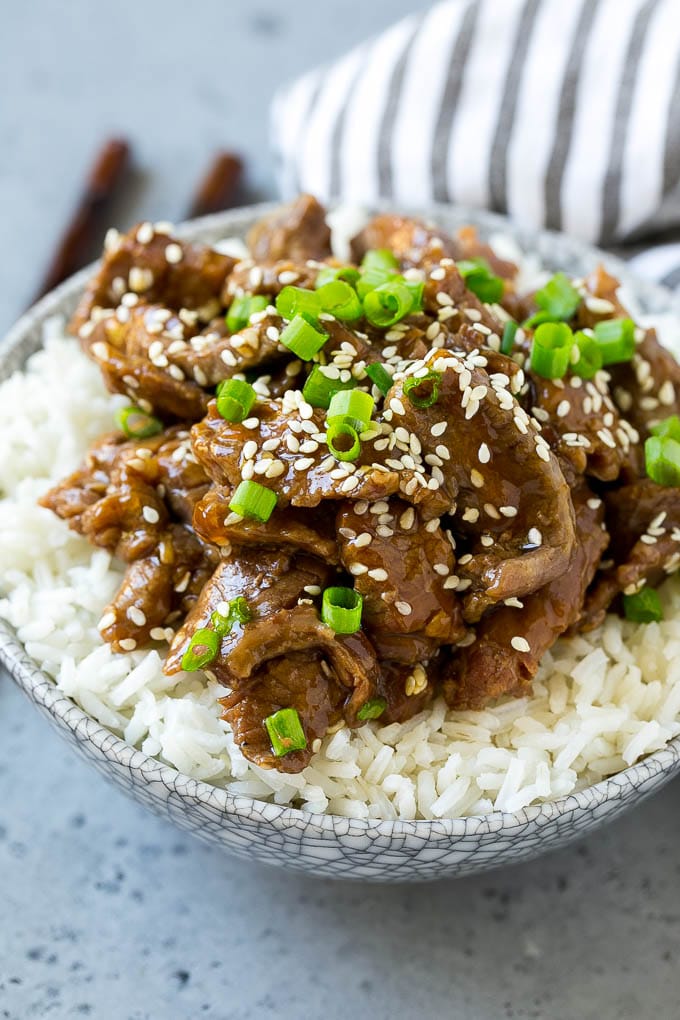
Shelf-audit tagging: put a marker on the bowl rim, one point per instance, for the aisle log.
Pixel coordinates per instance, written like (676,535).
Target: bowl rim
(69,717)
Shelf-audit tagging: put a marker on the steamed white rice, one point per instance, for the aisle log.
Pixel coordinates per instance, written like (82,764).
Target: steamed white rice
(600,701)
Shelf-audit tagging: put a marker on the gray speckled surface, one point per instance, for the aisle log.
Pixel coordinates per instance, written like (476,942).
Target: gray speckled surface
(105,911)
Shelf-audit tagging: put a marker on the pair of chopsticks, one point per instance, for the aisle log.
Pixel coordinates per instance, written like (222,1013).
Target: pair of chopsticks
(215,191)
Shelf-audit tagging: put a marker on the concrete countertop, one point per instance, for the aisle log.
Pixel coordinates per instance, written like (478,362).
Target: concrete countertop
(105,911)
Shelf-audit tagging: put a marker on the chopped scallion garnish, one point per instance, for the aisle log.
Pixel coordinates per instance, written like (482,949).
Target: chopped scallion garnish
(388,303)
(662,460)
(239,612)
(508,339)
(343,440)
(202,650)
(372,709)
(348,274)
(294,301)
(669,428)
(302,338)
(242,308)
(379,258)
(341,609)
(285,732)
(551,350)
(589,356)
(643,607)
(423,391)
(253,500)
(557,301)
(481,280)
(379,376)
(352,406)
(341,300)
(235,398)
(616,340)
(319,387)
(137,424)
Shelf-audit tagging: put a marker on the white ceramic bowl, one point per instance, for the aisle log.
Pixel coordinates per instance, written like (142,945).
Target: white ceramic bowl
(326,844)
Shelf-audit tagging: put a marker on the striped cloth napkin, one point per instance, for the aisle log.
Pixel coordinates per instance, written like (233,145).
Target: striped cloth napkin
(560,113)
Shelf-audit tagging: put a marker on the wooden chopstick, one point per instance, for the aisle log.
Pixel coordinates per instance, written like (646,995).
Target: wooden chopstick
(103,180)
(217,190)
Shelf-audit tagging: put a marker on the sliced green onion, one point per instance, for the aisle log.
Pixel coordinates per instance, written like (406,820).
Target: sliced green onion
(340,300)
(372,709)
(388,303)
(589,356)
(343,440)
(319,388)
(557,301)
(242,308)
(372,278)
(253,500)
(669,428)
(293,301)
(379,258)
(643,607)
(481,280)
(508,338)
(235,398)
(348,274)
(239,612)
(380,377)
(353,406)
(341,609)
(616,339)
(551,350)
(662,460)
(423,391)
(285,732)
(302,338)
(417,289)
(202,650)
(137,424)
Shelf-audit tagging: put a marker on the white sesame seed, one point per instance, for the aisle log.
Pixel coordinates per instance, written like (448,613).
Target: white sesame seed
(441,569)
(520,644)
(136,615)
(444,299)
(378,574)
(403,608)
(439,429)
(249,449)
(128,644)
(563,409)
(251,423)
(543,453)
(157,634)
(150,514)
(357,569)
(174,254)
(275,469)
(534,536)
(471,515)
(476,478)
(513,602)
(145,233)
(107,620)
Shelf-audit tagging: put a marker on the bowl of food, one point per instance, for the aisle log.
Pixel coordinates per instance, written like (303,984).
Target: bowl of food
(351,551)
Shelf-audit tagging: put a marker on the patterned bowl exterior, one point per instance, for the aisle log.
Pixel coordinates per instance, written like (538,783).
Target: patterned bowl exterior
(325,844)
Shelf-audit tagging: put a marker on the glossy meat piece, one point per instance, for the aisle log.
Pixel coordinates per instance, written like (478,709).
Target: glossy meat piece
(297,681)
(158,268)
(309,531)
(470,246)
(294,232)
(584,417)
(401,570)
(412,241)
(136,499)
(407,689)
(647,389)
(492,666)
(247,277)
(644,521)
(447,297)
(512,503)
(301,469)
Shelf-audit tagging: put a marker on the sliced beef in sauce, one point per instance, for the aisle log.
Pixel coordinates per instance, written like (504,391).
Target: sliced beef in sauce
(511,639)
(412,241)
(295,232)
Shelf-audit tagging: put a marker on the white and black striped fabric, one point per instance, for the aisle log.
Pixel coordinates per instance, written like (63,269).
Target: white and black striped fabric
(560,113)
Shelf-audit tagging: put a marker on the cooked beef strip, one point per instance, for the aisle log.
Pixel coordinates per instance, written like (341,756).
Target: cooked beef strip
(136,499)
(470,246)
(412,241)
(247,277)
(647,389)
(309,531)
(302,472)
(148,264)
(407,690)
(294,232)
(644,521)
(511,639)
(521,499)
(447,297)
(401,568)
